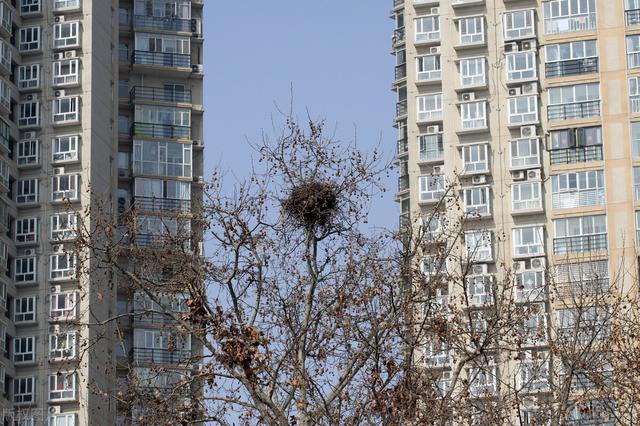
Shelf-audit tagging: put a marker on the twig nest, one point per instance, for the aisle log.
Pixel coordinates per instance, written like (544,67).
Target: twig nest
(312,204)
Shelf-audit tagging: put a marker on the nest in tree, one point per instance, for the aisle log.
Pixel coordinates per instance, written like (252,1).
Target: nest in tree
(312,203)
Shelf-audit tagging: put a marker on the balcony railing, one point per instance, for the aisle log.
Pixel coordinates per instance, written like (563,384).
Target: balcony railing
(632,17)
(574,110)
(401,71)
(579,154)
(583,288)
(160,356)
(160,94)
(581,22)
(160,205)
(161,23)
(151,318)
(571,67)
(403,146)
(156,130)
(174,60)
(580,244)
(403,183)
(578,198)
(401,108)
(162,241)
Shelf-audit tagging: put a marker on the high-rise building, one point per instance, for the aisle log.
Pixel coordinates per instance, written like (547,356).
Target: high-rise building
(96,97)
(532,108)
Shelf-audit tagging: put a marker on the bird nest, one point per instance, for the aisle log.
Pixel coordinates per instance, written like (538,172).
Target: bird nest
(312,204)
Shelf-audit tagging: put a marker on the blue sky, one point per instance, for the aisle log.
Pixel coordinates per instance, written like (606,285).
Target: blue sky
(335,55)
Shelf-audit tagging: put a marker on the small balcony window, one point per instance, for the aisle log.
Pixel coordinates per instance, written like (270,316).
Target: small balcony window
(572,58)
(29,114)
(431,147)
(432,188)
(525,153)
(429,107)
(29,7)
(634,94)
(62,346)
(24,349)
(66,35)
(65,148)
(475,158)
(24,390)
(62,306)
(479,246)
(66,4)
(427,28)
(66,72)
(66,110)
(473,72)
(576,145)
(523,110)
(476,201)
(471,30)
(533,373)
(633,51)
(562,16)
(577,189)
(474,115)
(62,266)
(65,187)
(521,66)
(529,285)
(526,196)
(528,241)
(64,226)
(62,387)
(28,152)
(162,158)
(5,55)
(25,269)
(162,195)
(480,289)
(632,12)
(27,230)
(25,309)
(583,325)
(483,380)
(573,102)
(428,68)
(27,191)
(580,234)
(29,77)
(29,39)
(519,24)
(582,278)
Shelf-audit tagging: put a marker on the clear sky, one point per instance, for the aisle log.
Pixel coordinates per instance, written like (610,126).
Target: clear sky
(334,53)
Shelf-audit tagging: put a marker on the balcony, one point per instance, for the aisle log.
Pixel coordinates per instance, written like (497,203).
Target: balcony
(578,22)
(579,154)
(162,241)
(171,60)
(161,23)
(403,146)
(577,198)
(398,36)
(632,17)
(580,244)
(403,183)
(572,111)
(156,130)
(160,94)
(401,108)
(431,155)
(161,205)
(571,67)
(144,318)
(160,356)
(401,71)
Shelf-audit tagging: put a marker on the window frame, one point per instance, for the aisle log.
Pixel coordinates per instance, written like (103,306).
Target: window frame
(65,156)
(477,201)
(518,117)
(69,389)
(535,247)
(468,31)
(24,349)
(62,266)
(514,73)
(526,162)
(58,72)
(471,74)
(514,32)
(28,152)
(29,315)
(429,181)
(72,191)
(33,36)
(431,35)
(473,115)
(475,158)
(66,110)
(31,197)
(61,41)
(24,390)
(517,196)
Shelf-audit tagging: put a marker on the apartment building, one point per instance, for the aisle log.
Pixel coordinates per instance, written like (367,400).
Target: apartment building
(532,108)
(97,98)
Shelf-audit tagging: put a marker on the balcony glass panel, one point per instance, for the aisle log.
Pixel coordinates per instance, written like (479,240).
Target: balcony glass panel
(561,16)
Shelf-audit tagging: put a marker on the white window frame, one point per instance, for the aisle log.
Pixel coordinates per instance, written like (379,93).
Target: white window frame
(62,386)
(24,390)
(61,40)
(477,201)
(30,7)
(30,39)
(529,285)
(63,306)
(426,145)
(533,374)
(523,109)
(475,158)
(526,247)
(519,69)
(432,187)
(66,110)
(633,51)
(63,346)
(428,68)
(520,191)
(473,72)
(423,102)
(560,18)
(3,300)
(473,115)
(24,349)
(29,114)
(64,226)
(532,158)
(483,380)
(569,51)
(427,28)
(479,246)
(66,419)
(577,189)
(563,228)
(161,165)
(27,230)
(27,191)
(62,266)
(480,289)
(25,269)
(28,152)
(566,95)
(29,314)
(5,55)
(65,149)
(518,24)
(471,30)
(66,72)
(634,94)
(66,4)
(65,187)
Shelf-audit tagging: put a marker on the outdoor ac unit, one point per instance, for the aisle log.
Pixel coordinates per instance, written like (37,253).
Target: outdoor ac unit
(54,329)
(59,93)
(469,96)
(58,248)
(434,50)
(528,131)
(510,47)
(198,68)
(197,143)
(438,170)
(433,129)
(198,179)
(55,289)
(519,266)
(58,171)
(538,263)
(515,91)
(480,269)
(29,135)
(32,97)
(517,175)
(527,45)
(55,409)
(124,173)
(479,179)
(58,19)
(529,89)
(535,174)
(28,252)
(435,10)
(70,54)
(58,56)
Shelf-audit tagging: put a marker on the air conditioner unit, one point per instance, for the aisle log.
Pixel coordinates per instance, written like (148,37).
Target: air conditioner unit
(58,171)
(469,96)
(527,45)
(55,409)
(29,135)
(28,252)
(434,50)
(58,19)
(515,91)
(518,175)
(59,93)
(124,173)
(55,289)
(528,131)
(197,69)
(479,179)
(70,54)
(32,97)
(433,129)
(58,56)
(54,329)
(529,89)
(510,47)
(480,269)
(198,143)
(58,248)
(438,170)
(538,263)
(198,179)
(519,266)
(435,10)
(535,174)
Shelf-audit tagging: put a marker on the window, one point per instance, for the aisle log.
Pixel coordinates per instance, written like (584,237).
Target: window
(4,174)
(483,380)
(29,76)
(3,299)
(66,72)
(577,189)
(580,234)
(533,374)
(163,195)
(431,147)
(530,285)
(475,158)
(583,324)
(65,148)
(633,51)
(5,93)
(431,187)
(5,17)
(472,72)
(27,191)
(518,24)
(429,107)
(25,309)
(478,245)
(27,230)
(572,58)
(521,66)
(26,269)
(636,183)
(123,88)
(64,187)
(523,110)
(576,145)
(476,201)
(474,115)
(64,226)
(428,68)
(66,110)
(63,306)
(427,28)
(62,386)
(528,241)
(29,39)
(525,153)
(27,152)
(161,158)
(526,196)
(66,34)
(29,114)
(62,420)
(632,12)
(561,16)
(152,346)
(5,55)
(62,346)
(577,101)
(29,6)
(582,279)
(480,289)
(62,266)
(167,116)
(471,30)
(24,349)
(634,94)
(24,390)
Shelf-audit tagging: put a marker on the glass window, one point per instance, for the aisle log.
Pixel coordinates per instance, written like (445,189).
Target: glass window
(582,225)
(475,158)
(28,152)
(29,76)
(526,196)
(429,107)
(27,191)
(427,28)
(24,349)
(62,386)
(528,241)
(62,306)
(474,115)
(62,419)
(476,201)
(29,6)
(29,39)
(471,30)
(472,72)
(523,110)
(479,246)
(431,147)
(27,230)
(530,285)
(633,51)
(66,72)
(562,16)
(66,110)
(521,66)
(66,4)
(25,309)
(62,346)
(25,269)
(64,187)
(570,51)
(518,24)
(64,226)
(29,114)
(483,380)
(577,189)
(431,187)
(66,34)
(525,153)
(428,68)
(24,390)
(162,158)
(62,266)
(65,148)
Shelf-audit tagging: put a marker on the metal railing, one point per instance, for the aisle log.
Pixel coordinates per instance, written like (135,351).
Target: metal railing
(632,17)
(577,198)
(151,318)
(157,130)
(160,356)
(574,110)
(160,94)
(174,60)
(581,22)
(162,241)
(580,244)
(162,23)
(571,67)
(579,154)
(403,182)
(152,204)
(401,71)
